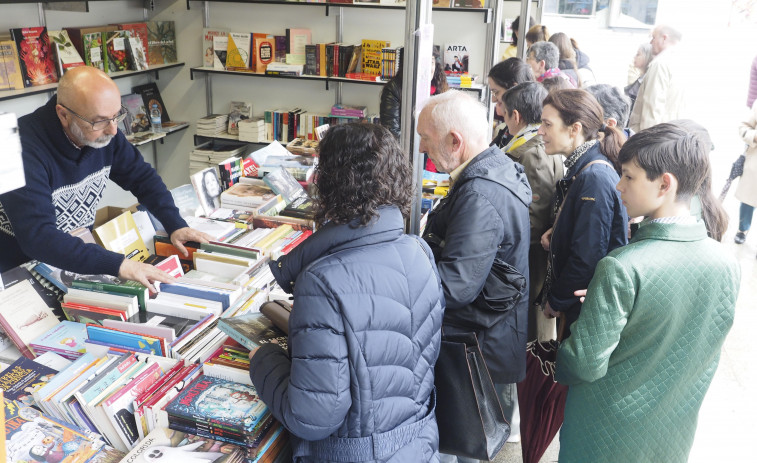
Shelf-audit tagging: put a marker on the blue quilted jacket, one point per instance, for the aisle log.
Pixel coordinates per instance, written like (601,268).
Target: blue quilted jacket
(364,335)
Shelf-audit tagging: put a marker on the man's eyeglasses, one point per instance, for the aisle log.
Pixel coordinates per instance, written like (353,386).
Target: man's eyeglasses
(101,124)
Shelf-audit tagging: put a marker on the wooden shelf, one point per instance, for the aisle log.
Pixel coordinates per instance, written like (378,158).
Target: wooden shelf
(24,92)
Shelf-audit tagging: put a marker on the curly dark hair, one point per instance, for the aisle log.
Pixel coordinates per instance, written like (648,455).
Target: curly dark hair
(361,167)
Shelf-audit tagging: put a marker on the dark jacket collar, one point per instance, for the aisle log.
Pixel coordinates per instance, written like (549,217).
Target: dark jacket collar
(493,165)
(592,154)
(331,238)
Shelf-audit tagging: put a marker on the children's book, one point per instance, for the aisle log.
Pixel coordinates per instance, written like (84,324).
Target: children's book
(161,42)
(252,330)
(34,55)
(176,446)
(65,339)
(22,377)
(152,344)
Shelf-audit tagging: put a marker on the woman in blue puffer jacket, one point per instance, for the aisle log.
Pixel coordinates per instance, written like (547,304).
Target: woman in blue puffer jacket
(364,333)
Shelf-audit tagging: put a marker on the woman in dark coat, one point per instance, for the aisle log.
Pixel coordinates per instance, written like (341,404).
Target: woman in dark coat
(364,334)
(591,219)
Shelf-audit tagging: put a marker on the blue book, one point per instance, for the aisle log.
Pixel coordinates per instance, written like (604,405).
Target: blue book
(65,339)
(23,376)
(223,296)
(130,341)
(252,330)
(62,378)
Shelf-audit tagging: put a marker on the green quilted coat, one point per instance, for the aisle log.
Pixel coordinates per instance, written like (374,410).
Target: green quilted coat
(645,348)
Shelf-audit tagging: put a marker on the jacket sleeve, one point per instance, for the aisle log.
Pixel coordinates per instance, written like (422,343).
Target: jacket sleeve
(748,128)
(589,238)
(31,213)
(653,101)
(130,171)
(309,393)
(585,355)
(471,243)
(389,110)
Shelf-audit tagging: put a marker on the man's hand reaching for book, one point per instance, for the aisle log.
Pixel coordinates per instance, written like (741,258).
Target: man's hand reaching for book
(182,235)
(145,274)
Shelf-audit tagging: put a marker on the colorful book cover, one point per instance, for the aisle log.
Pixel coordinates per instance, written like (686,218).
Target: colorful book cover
(238,51)
(66,56)
(220,402)
(151,95)
(136,54)
(371,56)
(66,339)
(230,170)
(94,54)
(150,344)
(32,436)
(13,79)
(35,56)
(238,110)
(23,377)
(128,287)
(208,56)
(181,447)
(265,50)
(252,330)
(122,236)
(138,31)
(136,118)
(161,42)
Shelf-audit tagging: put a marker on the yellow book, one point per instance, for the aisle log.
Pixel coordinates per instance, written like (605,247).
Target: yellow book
(264,243)
(238,51)
(11,76)
(122,236)
(372,56)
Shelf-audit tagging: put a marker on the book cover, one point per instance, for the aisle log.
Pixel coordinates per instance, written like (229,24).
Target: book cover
(238,111)
(218,401)
(280,48)
(252,330)
(136,54)
(137,31)
(23,377)
(297,39)
(13,79)
(152,344)
(115,47)
(49,294)
(178,325)
(230,170)
(94,53)
(238,51)
(220,48)
(371,56)
(66,339)
(176,446)
(284,184)
(151,95)
(34,55)
(208,34)
(66,56)
(128,287)
(246,196)
(82,313)
(161,42)
(24,316)
(301,207)
(136,118)
(456,58)
(265,50)
(32,436)
(207,185)
(121,235)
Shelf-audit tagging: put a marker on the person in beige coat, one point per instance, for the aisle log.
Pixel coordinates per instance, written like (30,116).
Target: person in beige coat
(521,107)
(661,96)
(746,192)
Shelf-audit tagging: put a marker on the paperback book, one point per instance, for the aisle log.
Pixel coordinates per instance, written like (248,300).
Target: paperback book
(10,77)
(66,56)
(208,35)
(35,56)
(238,111)
(252,330)
(116,48)
(161,42)
(23,377)
(163,444)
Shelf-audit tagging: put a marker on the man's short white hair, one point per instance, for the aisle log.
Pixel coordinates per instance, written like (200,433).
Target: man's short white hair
(457,110)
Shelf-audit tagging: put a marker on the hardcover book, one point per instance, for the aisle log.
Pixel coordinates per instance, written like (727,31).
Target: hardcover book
(137,31)
(226,403)
(11,69)
(252,330)
(66,56)
(208,34)
(35,56)
(238,51)
(265,50)
(161,42)
(297,39)
(151,95)
(137,54)
(116,48)
(371,56)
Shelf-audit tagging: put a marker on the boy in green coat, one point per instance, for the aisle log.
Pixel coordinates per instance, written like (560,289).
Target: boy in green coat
(645,348)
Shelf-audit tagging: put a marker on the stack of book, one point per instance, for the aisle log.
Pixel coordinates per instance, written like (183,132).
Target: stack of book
(214,153)
(461,81)
(212,125)
(252,130)
(342,110)
(161,443)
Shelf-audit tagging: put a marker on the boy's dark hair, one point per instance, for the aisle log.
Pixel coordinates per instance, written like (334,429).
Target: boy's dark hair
(361,168)
(684,154)
(511,72)
(527,99)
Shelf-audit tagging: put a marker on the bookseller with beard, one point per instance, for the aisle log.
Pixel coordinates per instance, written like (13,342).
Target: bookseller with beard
(71,147)
(364,333)
(484,217)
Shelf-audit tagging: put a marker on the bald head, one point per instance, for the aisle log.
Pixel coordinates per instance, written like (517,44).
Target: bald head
(85,87)
(664,37)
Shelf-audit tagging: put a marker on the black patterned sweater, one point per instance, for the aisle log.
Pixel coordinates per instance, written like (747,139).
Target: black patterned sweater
(63,187)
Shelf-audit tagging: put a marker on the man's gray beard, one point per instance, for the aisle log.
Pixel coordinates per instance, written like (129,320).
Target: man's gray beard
(100,142)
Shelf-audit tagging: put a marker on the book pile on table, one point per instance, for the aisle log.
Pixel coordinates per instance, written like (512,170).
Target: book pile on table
(212,125)
(252,130)
(214,153)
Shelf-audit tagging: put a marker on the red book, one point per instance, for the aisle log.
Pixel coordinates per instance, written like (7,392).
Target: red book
(35,56)
(138,30)
(305,234)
